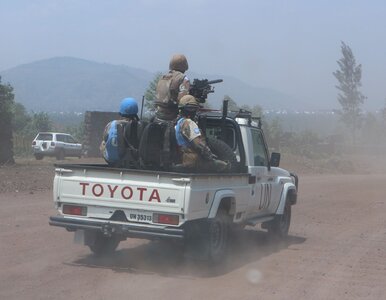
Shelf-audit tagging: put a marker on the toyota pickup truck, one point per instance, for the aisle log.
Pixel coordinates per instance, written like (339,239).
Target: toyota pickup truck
(105,205)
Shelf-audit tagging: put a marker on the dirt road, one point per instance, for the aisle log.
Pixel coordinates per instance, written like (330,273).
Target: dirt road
(336,250)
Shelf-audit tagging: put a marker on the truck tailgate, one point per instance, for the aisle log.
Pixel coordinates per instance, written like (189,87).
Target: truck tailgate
(106,190)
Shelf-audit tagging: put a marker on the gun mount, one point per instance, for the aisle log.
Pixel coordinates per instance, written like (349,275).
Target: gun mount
(201,88)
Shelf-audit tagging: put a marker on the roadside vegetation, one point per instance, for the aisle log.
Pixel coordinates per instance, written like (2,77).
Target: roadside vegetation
(18,127)
(318,140)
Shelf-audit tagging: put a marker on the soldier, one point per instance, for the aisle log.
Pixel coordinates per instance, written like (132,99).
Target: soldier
(171,88)
(195,153)
(120,142)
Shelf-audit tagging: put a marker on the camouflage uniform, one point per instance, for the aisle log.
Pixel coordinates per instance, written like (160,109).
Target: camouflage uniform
(195,153)
(170,89)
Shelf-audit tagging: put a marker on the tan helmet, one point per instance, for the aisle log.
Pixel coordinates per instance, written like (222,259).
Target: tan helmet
(187,100)
(179,63)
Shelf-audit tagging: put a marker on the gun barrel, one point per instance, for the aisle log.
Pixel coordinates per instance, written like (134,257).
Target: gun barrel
(215,81)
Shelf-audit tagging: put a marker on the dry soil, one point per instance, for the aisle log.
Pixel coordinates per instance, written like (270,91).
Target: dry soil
(336,248)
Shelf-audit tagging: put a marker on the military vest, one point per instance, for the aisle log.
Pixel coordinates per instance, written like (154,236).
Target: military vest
(168,88)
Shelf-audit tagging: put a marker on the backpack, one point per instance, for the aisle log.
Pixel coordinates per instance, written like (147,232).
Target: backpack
(122,144)
(168,88)
(157,148)
(110,151)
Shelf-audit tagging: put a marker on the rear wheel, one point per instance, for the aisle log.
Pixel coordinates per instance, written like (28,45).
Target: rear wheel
(214,239)
(218,235)
(104,245)
(39,156)
(207,240)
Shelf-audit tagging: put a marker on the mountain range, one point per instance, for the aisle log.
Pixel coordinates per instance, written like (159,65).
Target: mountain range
(67,84)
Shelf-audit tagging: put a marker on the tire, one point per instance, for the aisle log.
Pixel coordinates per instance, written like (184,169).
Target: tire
(217,238)
(222,151)
(60,155)
(38,156)
(279,227)
(104,245)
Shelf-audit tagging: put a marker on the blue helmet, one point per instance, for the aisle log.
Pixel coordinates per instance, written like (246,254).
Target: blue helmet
(128,107)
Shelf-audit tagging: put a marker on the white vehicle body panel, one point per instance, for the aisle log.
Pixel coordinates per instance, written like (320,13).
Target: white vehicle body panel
(104,192)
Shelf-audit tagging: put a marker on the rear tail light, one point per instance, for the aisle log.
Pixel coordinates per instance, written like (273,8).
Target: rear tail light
(166,219)
(52,143)
(33,143)
(74,210)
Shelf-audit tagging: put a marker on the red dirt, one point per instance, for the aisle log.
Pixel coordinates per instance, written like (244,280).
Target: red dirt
(336,249)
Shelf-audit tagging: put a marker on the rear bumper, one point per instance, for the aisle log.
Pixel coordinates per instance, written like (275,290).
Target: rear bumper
(120,228)
(50,151)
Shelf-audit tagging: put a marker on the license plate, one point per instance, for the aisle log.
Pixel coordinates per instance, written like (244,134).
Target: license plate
(140,217)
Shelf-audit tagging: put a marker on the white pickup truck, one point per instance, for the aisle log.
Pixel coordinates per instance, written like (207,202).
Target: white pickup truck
(104,205)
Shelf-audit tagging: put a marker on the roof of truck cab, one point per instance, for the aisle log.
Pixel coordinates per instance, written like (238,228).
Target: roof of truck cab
(232,116)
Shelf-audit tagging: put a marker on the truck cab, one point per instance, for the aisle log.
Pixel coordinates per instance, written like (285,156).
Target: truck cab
(245,136)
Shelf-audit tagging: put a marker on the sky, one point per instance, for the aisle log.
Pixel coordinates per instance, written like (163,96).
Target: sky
(290,46)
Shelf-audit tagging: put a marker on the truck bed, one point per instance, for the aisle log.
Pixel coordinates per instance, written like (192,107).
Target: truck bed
(137,198)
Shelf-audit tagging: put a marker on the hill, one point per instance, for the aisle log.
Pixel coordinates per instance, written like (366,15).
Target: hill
(73,84)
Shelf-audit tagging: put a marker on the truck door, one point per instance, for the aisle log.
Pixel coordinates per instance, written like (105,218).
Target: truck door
(258,167)
(270,186)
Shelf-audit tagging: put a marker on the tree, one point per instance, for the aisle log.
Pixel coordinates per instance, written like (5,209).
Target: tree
(77,131)
(6,117)
(21,117)
(41,122)
(350,98)
(150,94)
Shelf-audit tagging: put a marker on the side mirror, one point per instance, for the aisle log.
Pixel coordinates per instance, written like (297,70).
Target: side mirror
(275,159)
